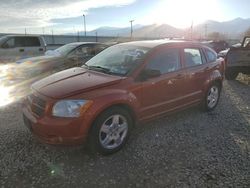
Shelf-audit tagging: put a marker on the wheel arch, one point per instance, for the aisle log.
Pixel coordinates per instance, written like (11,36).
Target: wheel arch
(218,82)
(131,111)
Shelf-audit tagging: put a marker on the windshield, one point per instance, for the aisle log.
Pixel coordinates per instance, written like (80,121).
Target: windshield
(118,60)
(66,49)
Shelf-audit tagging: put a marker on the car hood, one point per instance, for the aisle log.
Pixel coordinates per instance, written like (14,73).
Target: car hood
(72,82)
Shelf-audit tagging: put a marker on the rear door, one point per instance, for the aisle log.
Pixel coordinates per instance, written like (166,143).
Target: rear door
(32,46)
(163,93)
(197,72)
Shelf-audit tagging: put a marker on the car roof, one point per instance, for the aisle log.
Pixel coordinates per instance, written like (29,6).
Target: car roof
(81,43)
(21,35)
(155,43)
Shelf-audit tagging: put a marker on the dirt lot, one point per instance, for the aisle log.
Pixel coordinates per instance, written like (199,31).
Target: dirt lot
(187,149)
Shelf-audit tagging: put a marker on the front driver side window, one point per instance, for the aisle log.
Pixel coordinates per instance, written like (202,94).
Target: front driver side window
(85,51)
(165,61)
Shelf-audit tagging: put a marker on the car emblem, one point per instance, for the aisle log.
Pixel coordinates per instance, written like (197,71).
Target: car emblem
(170,82)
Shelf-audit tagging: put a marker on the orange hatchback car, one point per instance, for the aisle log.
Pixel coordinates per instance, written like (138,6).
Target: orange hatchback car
(126,83)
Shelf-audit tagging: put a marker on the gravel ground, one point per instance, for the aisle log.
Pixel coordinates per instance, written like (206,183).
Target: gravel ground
(187,149)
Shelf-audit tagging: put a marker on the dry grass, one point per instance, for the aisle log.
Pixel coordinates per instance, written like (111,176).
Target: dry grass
(244,78)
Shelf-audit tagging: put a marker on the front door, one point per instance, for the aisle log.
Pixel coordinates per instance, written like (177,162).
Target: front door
(162,93)
(9,52)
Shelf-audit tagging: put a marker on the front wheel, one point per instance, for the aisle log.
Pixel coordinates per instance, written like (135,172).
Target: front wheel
(110,131)
(212,97)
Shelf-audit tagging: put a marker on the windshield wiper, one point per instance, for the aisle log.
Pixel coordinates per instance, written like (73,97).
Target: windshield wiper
(98,68)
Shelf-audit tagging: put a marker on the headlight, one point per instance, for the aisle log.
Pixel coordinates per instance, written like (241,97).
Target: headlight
(70,108)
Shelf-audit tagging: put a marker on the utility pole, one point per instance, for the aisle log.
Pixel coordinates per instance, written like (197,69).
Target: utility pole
(84,19)
(53,40)
(25,31)
(191,31)
(205,31)
(131,24)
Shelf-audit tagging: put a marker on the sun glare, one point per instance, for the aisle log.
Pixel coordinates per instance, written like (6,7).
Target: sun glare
(182,14)
(5,96)
(5,91)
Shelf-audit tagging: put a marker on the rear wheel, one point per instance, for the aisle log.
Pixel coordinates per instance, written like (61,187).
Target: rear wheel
(212,97)
(110,131)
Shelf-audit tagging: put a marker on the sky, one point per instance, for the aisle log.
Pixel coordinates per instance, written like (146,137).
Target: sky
(64,16)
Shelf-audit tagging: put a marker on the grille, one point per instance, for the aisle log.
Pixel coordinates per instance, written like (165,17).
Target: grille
(37,105)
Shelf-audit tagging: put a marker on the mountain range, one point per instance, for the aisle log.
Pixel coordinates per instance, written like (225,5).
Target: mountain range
(233,29)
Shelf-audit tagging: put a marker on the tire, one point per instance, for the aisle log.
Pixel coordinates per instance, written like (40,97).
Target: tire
(231,75)
(212,97)
(110,131)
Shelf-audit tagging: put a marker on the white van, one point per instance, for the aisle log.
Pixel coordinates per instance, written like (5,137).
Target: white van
(14,47)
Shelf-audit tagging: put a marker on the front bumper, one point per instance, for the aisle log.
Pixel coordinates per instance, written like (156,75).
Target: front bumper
(56,131)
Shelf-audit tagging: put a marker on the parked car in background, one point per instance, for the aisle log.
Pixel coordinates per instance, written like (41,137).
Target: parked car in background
(26,71)
(217,46)
(67,56)
(238,60)
(223,53)
(14,47)
(136,81)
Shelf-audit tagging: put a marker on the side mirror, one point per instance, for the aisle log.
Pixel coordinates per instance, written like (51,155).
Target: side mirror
(149,73)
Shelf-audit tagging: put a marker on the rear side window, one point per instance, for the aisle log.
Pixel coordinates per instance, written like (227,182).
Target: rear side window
(32,42)
(165,61)
(22,42)
(192,57)
(19,41)
(211,56)
(27,42)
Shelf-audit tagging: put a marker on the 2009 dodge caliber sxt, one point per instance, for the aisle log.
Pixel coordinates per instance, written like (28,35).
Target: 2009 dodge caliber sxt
(136,81)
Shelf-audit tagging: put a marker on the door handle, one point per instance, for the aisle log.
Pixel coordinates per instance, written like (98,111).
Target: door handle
(206,69)
(21,50)
(179,76)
